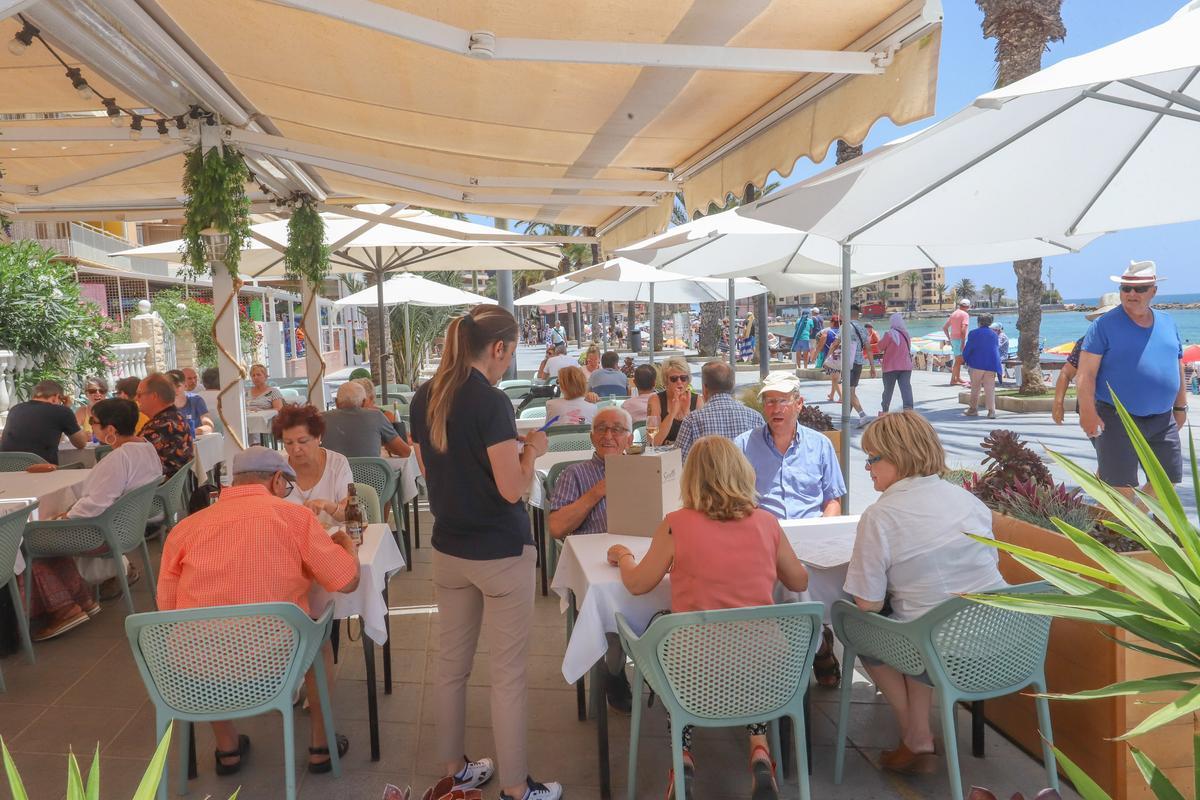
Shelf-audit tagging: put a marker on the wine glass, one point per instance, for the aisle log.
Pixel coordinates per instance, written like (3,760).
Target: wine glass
(652,423)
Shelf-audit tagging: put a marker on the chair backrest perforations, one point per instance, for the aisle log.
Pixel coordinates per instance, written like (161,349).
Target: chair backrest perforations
(17,462)
(983,648)
(566,442)
(12,527)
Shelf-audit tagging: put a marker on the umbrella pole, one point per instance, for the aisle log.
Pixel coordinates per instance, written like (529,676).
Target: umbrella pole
(763,345)
(846,367)
(732,330)
(653,322)
(407,341)
(383,336)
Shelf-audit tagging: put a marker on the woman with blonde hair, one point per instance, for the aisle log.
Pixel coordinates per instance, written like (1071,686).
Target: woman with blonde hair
(674,402)
(483,560)
(722,552)
(910,555)
(591,360)
(577,405)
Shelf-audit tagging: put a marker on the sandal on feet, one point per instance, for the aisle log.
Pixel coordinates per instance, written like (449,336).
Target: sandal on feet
(763,772)
(240,754)
(322,767)
(906,762)
(689,774)
(825,665)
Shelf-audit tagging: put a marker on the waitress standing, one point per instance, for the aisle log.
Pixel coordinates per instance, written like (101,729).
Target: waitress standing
(483,560)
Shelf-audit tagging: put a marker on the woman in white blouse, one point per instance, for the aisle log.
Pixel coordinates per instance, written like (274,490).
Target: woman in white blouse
(912,553)
(323,477)
(133,462)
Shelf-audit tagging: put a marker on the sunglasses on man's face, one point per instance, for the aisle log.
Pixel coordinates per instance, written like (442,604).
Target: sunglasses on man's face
(1138,289)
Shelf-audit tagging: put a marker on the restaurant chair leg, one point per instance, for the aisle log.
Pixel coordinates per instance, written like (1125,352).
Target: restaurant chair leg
(191,764)
(417,522)
(977,729)
(335,638)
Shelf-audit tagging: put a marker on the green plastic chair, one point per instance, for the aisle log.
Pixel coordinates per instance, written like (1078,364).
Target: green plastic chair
(515,392)
(231,662)
(554,546)
(104,449)
(12,527)
(17,462)
(566,442)
(170,500)
(560,428)
(969,651)
(523,383)
(534,412)
(536,402)
(121,528)
(378,474)
(722,668)
(368,501)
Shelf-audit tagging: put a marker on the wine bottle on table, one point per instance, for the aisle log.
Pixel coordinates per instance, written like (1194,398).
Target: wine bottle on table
(354,516)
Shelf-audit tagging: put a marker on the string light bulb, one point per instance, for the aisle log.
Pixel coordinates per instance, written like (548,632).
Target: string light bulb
(114,112)
(79,84)
(135,127)
(21,41)
(161,124)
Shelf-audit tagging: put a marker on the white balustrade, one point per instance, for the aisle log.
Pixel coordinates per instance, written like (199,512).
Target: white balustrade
(13,379)
(128,360)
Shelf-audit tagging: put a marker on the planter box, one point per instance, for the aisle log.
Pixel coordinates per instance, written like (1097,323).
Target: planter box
(1081,657)
(1018,405)
(836,438)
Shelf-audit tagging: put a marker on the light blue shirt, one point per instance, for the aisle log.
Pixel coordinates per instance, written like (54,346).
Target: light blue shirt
(1140,364)
(796,484)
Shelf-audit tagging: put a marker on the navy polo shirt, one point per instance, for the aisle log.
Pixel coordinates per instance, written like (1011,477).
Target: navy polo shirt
(471,518)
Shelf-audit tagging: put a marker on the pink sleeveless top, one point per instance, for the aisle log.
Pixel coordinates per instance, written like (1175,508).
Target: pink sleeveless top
(728,564)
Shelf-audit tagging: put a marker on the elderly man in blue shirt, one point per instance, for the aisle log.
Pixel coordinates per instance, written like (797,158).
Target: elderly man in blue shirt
(578,505)
(796,476)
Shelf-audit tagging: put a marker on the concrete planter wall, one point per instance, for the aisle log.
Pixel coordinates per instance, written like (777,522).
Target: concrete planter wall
(1080,656)
(1019,405)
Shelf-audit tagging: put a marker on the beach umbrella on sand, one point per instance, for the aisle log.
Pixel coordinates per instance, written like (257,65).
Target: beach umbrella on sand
(1065,349)
(1191,354)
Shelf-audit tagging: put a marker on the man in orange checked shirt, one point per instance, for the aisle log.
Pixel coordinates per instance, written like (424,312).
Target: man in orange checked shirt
(255,547)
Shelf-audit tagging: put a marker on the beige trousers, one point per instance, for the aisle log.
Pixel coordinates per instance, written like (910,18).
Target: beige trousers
(500,594)
(986,380)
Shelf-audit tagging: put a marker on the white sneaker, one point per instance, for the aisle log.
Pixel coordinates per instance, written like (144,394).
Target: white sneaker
(537,791)
(474,773)
(863,419)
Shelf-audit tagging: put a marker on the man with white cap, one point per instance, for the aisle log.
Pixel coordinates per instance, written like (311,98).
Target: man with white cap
(255,547)
(1108,301)
(1133,354)
(956,331)
(796,476)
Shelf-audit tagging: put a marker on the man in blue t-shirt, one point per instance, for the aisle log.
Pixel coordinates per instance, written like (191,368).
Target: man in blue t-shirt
(1133,353)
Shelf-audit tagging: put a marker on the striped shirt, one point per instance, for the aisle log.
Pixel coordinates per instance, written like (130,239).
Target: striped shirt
(251,547)
(721,415)
(573,482)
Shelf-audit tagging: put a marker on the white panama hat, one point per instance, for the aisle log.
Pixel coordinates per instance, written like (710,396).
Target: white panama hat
(1138,273)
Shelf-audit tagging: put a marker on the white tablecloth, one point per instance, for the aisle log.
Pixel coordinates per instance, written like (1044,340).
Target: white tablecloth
(54,491)
(541,468)
(409,470)
(260,421)
(599,594)
(526,425)
(209,450)
(377,557)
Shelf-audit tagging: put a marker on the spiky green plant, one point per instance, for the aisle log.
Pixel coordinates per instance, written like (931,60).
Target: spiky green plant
(1159,605)
(78,790)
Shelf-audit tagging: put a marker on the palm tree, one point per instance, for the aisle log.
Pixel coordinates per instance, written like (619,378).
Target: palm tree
(965,289)
(913,279)
(1022,29)
(988,292)
(941,293)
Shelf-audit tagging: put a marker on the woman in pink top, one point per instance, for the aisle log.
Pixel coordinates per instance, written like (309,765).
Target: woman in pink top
(722,552)
(895,347)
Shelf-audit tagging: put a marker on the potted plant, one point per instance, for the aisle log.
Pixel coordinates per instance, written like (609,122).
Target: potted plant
(1030,512)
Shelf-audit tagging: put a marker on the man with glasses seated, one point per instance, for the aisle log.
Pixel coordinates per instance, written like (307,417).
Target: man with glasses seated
(578,505)
(796,476)
(255,547)
(1133,353)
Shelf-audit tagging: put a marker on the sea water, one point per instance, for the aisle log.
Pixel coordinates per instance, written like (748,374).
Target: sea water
(1067,326)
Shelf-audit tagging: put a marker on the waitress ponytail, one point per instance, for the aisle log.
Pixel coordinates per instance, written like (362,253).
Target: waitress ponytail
(467,338)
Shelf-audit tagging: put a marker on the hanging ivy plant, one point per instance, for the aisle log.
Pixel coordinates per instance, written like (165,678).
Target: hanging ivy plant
(214,183)
(307,255)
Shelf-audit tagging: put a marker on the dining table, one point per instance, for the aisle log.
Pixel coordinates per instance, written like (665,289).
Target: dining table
(54,492)
(378,559)
(588,584)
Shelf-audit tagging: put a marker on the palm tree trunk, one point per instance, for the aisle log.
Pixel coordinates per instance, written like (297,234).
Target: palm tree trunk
(1022,29)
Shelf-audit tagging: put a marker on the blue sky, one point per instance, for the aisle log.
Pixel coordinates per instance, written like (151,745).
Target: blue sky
(967,69)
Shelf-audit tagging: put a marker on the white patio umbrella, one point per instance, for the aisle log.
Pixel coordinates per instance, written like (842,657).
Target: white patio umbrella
(623,280)
(408,289)
(420,242)
(547,298)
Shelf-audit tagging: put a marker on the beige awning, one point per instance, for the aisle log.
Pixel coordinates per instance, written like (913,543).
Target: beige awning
(344,102)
